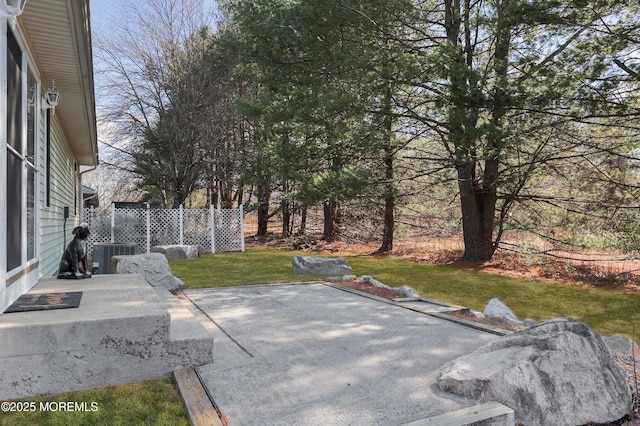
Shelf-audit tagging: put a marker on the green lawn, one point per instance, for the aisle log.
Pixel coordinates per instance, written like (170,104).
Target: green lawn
(149,403)
(254,266)
(607,311)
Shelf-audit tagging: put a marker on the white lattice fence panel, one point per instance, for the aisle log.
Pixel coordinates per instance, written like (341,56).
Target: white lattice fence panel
(130,227)
(228,231)
(197,228)
(99,221)
(164,225)
(151,227)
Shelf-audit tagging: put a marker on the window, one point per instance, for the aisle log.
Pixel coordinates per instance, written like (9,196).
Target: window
(21,173)
(47,166)
(75,188)
(30,163)
(14,153)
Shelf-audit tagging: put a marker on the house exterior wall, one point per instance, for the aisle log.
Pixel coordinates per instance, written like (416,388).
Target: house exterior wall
(64,187)
(53,229)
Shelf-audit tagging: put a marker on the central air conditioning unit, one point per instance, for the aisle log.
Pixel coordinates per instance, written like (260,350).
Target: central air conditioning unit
(102,253)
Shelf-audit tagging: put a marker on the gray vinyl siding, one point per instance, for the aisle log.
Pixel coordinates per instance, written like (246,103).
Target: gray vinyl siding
(53,233)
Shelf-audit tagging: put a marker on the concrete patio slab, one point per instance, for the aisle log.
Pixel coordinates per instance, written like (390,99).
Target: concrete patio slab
(123,331)
(311,354)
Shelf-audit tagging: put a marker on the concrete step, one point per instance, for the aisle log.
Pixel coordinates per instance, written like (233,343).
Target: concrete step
(108,308)
(186,334)
(122,332)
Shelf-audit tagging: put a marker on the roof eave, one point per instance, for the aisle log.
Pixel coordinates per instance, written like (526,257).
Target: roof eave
(59,37)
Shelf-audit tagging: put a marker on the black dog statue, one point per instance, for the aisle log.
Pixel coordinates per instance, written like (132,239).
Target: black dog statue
(75,255)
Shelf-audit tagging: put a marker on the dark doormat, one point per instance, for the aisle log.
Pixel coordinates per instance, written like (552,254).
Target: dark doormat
(45,301)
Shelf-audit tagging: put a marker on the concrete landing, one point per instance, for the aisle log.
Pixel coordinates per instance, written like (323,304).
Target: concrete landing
(122,332)
(311,354)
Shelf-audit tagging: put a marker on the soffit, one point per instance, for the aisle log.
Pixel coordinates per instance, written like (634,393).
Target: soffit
(58,33)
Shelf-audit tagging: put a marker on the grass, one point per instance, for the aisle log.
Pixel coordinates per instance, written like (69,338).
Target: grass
(607,311)
(149,403)
(254,266)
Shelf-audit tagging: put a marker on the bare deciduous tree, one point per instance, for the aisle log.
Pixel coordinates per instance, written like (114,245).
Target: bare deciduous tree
(151,96)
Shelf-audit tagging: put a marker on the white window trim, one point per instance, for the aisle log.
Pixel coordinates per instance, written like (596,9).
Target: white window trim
(27,65)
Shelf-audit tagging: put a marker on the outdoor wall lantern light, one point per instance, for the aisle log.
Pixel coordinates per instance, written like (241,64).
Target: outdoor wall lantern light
(31,95)
(11,9)
(51,98)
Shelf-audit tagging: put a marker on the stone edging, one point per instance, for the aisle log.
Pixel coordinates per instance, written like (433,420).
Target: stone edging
(441,315)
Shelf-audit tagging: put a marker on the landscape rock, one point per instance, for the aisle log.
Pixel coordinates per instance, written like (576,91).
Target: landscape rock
(407,292)
(370,280)
(556,373)
(177,251)
(320,266)
(341,278)
(496,309)
(402,291)
(153,266)
(621,344)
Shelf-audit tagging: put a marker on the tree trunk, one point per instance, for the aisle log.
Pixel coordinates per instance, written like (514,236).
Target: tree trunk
(479,200)
(228,195)
(239,196)
(389,193)
(478,208)
(331,211)
(286,218)
(331,207)
(213,189)
(303,222)
(478,195)
(389,224)
(389,204)
(264,194)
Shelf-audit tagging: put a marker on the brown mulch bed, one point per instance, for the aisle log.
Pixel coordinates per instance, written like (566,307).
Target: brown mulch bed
(494,322)
(370,289)
(391,295)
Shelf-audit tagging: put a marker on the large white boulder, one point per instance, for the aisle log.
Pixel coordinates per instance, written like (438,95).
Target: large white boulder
(153,266)
(622,345)
(178,251)
(556,373)
(496,309)
(320,266)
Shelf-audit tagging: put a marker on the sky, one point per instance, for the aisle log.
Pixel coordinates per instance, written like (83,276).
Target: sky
(104,12)
(108,16)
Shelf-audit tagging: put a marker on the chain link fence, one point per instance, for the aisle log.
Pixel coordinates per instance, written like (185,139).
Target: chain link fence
(215,230)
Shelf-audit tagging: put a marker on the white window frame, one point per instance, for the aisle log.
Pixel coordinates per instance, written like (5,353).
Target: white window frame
(28,66)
